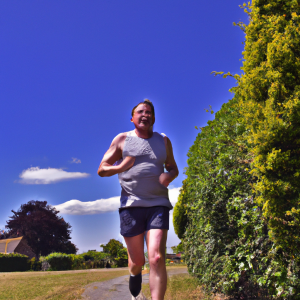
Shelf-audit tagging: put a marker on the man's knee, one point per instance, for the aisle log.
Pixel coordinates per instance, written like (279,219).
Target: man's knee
(156,260)
(139,263)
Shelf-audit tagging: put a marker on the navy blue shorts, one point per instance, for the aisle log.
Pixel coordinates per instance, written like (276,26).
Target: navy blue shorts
(137,220)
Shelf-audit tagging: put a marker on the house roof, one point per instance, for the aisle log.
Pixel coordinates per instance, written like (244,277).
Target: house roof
(9,245)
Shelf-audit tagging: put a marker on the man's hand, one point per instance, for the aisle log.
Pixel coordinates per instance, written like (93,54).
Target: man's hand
(165,179)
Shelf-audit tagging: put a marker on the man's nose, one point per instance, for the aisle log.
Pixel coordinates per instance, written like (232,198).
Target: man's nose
(145,113)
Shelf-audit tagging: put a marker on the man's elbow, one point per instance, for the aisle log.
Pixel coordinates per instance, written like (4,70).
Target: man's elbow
(101,173)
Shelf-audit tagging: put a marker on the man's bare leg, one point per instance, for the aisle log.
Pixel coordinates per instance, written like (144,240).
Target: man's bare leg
(136,256)
(156,244)
(136,260)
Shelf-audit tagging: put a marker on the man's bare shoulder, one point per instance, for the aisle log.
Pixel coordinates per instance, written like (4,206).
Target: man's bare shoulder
(121,136)
(119,139)
(166,139)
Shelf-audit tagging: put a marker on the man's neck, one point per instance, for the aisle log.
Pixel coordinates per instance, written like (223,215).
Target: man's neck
(144,134)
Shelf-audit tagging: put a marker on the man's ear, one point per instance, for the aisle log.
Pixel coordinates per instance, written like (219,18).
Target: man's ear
(131,120)
(153,120)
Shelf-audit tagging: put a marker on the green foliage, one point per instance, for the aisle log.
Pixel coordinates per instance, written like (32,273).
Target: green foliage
(241,232)
(269,97)
(59,261)
(77,261)
(44,230)
(178,248)
(87,260)
(180,211)
(3,234)
(222,216)
(117,252)
(112,247)
(35,265)
(13,262)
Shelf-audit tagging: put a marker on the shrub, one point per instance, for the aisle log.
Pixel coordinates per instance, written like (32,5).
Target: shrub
(77,261)
(219,203)
(241,197)
(59,261)
(180,211)
(13,262)
(269,93)
(35,265)
(88,260)
(94,255)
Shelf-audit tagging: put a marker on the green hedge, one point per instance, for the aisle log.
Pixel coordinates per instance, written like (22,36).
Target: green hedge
(87,260)
(239,209)
(13,262)
(59,261)
(35,265)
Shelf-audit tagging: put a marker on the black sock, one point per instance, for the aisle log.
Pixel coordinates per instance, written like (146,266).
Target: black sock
(135,284)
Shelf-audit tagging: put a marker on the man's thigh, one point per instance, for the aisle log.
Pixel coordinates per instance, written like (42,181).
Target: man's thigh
(156,242)
(135,248)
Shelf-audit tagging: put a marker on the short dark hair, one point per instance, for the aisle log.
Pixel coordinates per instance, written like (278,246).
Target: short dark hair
(146,101)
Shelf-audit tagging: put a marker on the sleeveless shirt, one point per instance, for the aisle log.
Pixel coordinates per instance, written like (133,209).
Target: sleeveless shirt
(140,184)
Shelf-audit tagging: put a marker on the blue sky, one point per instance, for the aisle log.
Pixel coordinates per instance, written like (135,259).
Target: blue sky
(70,73)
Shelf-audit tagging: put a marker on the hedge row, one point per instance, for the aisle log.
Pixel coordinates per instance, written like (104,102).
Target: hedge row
(88,260)
(239,208)
(14,262)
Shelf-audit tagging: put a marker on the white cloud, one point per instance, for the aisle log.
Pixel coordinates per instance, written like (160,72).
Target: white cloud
(173,195)
(35,175)
(76,207)
(75,160)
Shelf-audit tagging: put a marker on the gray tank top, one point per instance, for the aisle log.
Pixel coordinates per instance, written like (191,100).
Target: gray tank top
(140,184)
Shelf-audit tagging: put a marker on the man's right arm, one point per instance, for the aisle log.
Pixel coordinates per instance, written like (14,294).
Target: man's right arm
(113,154)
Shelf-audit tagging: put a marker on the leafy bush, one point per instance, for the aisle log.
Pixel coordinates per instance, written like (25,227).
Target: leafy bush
(13,262)
(239,209)
(269,94)
(116,252)
(77,261)
(35,265)
(220,201)
(94,255)
(87,260)
(59,261)
(180,211)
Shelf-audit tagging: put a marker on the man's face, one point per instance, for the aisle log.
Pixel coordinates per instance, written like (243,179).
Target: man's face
(143,117)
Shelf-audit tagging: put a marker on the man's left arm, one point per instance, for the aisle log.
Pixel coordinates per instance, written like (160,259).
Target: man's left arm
(170,165)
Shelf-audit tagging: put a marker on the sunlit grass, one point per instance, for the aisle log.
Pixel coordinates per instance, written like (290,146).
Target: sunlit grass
(65,285)
(183,287)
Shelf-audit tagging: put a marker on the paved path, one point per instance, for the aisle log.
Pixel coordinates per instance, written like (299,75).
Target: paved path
(117,289)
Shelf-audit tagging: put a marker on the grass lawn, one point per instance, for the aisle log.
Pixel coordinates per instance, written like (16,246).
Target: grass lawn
(183,287)
(52,285)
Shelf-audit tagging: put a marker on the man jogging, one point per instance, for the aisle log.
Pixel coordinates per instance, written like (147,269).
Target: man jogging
(139,158)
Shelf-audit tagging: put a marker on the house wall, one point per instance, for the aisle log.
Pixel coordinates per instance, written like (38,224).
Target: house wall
(23,248)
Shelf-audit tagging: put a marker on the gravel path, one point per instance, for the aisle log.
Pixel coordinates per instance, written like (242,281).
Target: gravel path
(117,289)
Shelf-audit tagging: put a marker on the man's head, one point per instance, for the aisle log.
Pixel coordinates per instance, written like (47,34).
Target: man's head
(143,115)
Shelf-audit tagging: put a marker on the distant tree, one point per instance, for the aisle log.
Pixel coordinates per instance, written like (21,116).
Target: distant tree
(115,249)
(178,248)
(3,234)
(43,229)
